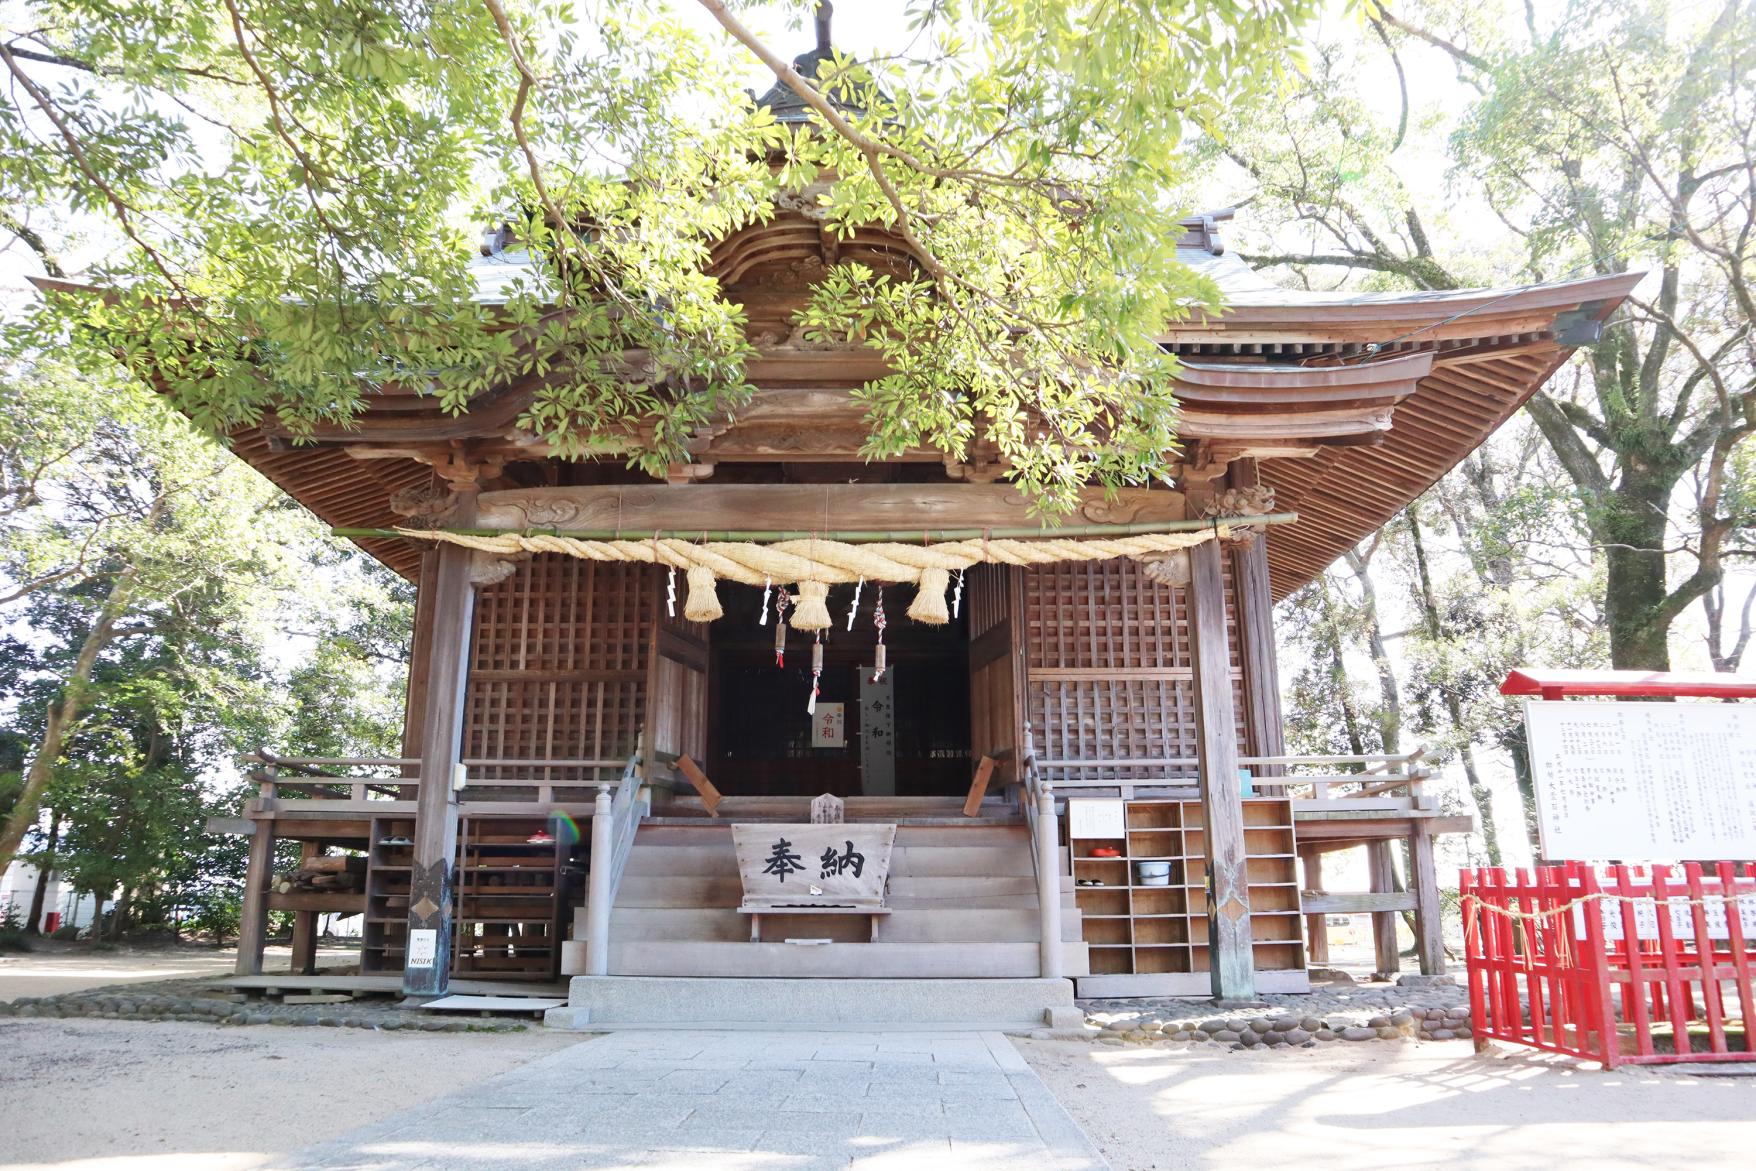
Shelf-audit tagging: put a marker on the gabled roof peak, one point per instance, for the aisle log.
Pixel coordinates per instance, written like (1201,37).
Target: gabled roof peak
(782,102)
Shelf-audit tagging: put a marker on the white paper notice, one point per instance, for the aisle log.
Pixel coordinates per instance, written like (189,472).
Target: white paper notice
(423,947)
(1644,782)
(1096,817)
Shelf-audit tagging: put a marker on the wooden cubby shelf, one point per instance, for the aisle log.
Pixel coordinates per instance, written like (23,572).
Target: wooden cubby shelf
(1152,940)
(510,905)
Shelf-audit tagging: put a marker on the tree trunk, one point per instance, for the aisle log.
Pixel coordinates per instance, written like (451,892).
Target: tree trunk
(45,871)
(1390,694)
(119,919)
(1435,623)
(1633,533)
(1338,676)
(97,915)
(63,711)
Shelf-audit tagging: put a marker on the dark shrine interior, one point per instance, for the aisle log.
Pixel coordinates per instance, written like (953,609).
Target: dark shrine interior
(760,734)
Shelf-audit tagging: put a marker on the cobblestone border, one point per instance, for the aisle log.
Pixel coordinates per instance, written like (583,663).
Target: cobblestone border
(1422,1008)
(1288,1030)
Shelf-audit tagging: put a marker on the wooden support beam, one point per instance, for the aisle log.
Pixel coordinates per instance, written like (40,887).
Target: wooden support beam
(1232,966)
(685,510)
(1316,926)
(978,787)
(430,881)
(253,918)
(692,773)
(1429,917)
(1387,963)
(1359,902)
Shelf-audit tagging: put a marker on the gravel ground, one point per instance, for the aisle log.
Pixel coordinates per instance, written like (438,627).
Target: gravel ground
(95,1095)
(1378,1107)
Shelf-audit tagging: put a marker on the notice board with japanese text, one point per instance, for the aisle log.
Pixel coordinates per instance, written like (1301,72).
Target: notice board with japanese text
(1644,782)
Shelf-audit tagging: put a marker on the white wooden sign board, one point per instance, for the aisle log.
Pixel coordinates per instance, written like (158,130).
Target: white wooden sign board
(1096,817)
(800,864)
(829,726)
(1644,782)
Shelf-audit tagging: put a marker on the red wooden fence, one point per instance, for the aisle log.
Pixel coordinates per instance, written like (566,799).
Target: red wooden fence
(1618,965)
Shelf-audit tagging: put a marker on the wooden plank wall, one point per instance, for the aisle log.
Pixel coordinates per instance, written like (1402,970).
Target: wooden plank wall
(1109,678)
(679,680)
(558,669)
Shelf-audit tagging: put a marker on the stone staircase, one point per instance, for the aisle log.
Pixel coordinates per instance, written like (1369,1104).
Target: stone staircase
(963,906)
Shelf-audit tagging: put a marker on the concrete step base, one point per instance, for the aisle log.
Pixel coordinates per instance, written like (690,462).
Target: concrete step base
(604,1003)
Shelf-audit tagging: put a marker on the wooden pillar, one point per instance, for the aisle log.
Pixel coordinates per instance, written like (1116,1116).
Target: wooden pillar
(1387,962)
(305,926)
(253,917)
(430,882)
(597,885)
(1048,885)
(1231,965)
(1256,638)
(1316,926)
(414,708)
(1429,918)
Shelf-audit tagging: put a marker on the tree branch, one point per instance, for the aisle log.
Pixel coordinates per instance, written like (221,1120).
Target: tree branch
(1456,52)
(124,214)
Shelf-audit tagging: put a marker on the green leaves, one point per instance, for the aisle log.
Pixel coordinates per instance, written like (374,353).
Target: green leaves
(286,186)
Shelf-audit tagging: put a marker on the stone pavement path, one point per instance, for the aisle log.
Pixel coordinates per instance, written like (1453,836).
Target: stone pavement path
(797,1101)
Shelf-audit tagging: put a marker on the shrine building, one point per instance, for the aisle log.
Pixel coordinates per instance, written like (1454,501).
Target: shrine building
(1062,770)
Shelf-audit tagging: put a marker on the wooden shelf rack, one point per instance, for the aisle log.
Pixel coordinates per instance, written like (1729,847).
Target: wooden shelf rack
(1153,940)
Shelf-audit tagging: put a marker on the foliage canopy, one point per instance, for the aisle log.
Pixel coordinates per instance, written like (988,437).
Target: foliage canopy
(290,184)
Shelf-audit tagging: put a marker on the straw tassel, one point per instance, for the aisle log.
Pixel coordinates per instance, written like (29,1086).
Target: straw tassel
(929,603)
(813,611)
(703,604)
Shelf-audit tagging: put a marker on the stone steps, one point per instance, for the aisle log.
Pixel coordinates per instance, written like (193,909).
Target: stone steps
(962,897)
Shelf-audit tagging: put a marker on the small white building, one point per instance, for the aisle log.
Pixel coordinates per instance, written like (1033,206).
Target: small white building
(62,905)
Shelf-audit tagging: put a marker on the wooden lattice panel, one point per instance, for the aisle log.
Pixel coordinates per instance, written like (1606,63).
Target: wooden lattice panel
(559,663)
(1110,680)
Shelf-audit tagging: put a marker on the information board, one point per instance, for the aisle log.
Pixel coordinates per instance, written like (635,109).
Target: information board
(1644,782)
(1096,817)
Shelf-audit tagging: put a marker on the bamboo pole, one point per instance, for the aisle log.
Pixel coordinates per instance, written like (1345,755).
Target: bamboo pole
(858,536)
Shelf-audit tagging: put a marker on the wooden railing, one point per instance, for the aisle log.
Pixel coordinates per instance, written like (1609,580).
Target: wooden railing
(333,778)
(1038,798)
(486,780)
(1317,784)
(615,820)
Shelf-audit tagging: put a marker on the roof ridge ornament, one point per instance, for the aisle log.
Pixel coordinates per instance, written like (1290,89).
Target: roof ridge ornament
(825,13)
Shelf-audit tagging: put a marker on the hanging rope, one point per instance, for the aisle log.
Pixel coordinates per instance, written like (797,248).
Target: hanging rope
(815,564)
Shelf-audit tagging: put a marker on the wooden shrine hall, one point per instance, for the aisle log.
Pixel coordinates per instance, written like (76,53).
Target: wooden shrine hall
(1062,769)
(1083,762)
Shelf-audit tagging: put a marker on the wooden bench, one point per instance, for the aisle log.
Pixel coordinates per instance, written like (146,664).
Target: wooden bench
(756,911)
